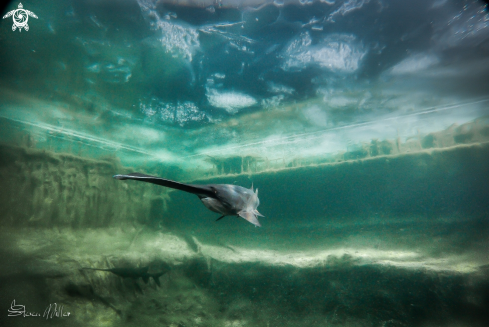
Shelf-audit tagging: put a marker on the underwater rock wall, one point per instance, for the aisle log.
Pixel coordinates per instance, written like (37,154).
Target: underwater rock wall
(473,132)
(44,189)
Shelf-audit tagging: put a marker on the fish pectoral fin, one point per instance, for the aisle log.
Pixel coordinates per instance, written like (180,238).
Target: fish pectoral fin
(220,217)
(257,213)
(146,279)
(157,280)
(250,216)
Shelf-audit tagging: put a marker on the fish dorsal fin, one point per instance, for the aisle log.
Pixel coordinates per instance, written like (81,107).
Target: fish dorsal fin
(250,217)
(252,186)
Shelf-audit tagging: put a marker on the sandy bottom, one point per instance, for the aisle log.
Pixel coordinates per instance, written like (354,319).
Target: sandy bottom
(141,247)
(231,286)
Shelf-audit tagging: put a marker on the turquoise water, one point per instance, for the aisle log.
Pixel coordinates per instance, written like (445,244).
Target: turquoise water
(362,123)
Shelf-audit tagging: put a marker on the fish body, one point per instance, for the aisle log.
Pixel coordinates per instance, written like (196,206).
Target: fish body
(225,199)
(133,273)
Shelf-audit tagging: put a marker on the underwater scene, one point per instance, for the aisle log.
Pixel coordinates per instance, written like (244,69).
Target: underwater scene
(242,163)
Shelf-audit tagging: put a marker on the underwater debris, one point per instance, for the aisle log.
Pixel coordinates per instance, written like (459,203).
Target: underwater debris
(192,242)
